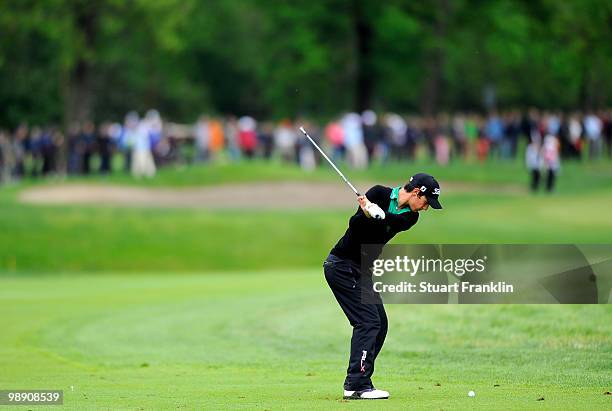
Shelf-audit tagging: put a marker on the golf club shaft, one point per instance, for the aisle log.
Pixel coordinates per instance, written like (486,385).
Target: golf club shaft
(329,161)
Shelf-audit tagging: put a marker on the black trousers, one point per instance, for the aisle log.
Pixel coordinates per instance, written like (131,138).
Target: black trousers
(369,321)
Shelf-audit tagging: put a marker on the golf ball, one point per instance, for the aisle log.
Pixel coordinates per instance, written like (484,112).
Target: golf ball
(471,394)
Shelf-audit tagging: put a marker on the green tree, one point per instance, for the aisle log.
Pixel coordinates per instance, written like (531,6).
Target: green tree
(69,60)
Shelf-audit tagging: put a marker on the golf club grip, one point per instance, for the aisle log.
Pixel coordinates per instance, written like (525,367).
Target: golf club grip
(330,162)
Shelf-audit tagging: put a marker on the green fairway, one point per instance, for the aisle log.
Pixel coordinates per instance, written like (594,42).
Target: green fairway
(278,340)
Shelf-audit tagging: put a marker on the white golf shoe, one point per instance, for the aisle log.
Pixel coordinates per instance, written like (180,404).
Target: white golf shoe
(369,394)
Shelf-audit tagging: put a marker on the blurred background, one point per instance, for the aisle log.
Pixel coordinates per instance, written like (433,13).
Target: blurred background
(74,61)
(161,138)
(496,99)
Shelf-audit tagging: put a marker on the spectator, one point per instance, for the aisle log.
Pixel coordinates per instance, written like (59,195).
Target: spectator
(564,137)
(49,147)
(231,135)
(533,162)
(35,151)
(202,139)
(512,130)
(19,150)
(86,145)
(216,142)
(550,160)
(7,158)
(592,129)
(575,137)
(142,161)
(429,130)
(552,124)
(353,140)
(472,133)
(494,132)
(266,139)
(396,131)
(528,125)
(74,152)
(335,137)
(306,155)
(482,146)
(458,136)
(412,139)
(607,131)
(373,136)
(105,148)
(247,138)
(154,125)
(285,141)
(127,139)
(442,147)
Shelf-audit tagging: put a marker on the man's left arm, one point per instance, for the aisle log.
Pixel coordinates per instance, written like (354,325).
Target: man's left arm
(370,202)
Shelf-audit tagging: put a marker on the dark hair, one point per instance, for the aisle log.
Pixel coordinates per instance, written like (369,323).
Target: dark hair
(409,187)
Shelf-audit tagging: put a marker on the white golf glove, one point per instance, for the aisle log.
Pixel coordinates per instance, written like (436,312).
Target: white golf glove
(375,211)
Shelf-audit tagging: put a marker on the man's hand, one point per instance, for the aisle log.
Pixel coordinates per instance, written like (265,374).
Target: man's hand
(370,209)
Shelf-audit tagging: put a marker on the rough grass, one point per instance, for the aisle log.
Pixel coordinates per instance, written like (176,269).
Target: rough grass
(55,238)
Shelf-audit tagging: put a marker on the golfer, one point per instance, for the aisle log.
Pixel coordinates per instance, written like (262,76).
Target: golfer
(371,225)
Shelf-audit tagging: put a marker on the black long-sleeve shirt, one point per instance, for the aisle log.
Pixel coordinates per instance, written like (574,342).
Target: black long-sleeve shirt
(365,230)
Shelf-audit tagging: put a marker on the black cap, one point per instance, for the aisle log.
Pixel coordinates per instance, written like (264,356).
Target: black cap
(428,186)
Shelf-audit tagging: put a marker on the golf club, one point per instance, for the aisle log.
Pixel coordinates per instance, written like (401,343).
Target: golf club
(330,162)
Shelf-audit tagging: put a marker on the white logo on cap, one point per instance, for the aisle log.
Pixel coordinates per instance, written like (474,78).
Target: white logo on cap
(437,191)
(423,189)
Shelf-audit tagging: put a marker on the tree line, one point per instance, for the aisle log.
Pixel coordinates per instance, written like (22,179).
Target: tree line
(66,61)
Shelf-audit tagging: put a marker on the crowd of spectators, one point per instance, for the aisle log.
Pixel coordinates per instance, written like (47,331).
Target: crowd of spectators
(147,143)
